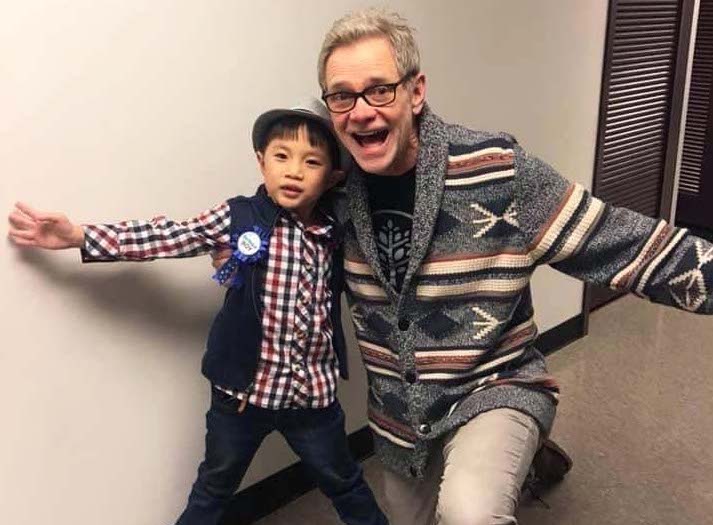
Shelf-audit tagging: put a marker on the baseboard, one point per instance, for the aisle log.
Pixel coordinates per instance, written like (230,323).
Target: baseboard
(285,486)
(276,491)
(561,335)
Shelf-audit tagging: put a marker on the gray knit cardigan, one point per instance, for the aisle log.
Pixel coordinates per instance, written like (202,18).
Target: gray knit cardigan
(458,340)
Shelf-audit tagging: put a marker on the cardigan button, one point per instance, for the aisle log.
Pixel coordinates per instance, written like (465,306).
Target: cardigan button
(413,470)
(424,429)
(410,376)
(404,324)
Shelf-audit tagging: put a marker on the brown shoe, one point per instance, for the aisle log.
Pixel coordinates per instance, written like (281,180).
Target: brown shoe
(550,465)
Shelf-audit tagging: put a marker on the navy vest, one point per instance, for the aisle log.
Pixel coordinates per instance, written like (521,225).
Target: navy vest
(236,334)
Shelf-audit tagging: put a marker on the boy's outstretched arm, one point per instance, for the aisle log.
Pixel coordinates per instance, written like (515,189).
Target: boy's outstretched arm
(52,231)
(136,240)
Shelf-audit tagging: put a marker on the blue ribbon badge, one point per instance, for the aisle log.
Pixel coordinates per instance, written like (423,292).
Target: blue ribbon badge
(249,246)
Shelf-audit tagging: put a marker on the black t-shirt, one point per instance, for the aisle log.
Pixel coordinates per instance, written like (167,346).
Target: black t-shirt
(391,199)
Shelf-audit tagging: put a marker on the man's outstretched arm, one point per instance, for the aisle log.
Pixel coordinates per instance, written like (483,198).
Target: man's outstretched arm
(583,237)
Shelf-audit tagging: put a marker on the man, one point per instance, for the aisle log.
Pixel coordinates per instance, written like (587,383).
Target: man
(446,226)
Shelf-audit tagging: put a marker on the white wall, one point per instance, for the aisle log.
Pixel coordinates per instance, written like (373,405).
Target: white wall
(122,109)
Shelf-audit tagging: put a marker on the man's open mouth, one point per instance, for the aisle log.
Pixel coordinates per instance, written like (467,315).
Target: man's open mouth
(372,138)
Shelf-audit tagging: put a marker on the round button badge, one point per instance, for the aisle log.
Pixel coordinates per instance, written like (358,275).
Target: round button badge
(249,243)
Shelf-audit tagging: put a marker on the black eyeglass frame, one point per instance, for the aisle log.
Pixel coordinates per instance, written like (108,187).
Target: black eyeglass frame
(363,94)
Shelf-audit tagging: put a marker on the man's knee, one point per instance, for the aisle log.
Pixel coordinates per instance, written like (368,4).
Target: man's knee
(474,515)
(465,504)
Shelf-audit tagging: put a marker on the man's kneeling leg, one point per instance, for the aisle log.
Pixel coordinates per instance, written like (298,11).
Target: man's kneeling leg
(477,478)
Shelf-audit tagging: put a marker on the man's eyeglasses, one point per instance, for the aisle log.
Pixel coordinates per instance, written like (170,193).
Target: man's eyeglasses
(376,96)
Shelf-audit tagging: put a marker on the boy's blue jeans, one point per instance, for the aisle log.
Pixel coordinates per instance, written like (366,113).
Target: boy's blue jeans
(317,436)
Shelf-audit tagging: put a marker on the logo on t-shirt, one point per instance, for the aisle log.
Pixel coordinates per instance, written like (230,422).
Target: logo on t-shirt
(393,242)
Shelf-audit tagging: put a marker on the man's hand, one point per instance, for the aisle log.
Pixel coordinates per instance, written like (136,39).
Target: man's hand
(220,257)
(52,231)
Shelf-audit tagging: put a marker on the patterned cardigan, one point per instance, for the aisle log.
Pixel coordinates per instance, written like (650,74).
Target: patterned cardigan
(458,340)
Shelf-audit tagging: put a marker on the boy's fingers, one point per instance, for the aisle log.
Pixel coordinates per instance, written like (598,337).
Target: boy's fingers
(37,215)
(21,234)
(20,221)
(22,239)
(22,242)
(24,208)
(15,231)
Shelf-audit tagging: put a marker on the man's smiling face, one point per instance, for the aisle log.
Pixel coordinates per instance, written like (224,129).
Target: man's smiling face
(382,140)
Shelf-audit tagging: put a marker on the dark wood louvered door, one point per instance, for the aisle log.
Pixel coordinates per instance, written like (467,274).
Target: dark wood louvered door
(695,190)
(639,123)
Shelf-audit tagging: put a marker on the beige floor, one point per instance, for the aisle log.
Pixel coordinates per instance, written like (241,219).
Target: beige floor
(637,416)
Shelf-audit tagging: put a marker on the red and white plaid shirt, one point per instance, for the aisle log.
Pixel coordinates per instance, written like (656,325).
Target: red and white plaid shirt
(297,367)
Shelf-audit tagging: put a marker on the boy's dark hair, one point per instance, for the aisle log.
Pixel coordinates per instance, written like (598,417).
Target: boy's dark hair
(288,128)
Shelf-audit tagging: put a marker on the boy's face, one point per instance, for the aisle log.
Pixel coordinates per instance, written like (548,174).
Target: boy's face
(296,173)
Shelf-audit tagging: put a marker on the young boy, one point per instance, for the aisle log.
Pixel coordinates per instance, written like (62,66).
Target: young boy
(275,346)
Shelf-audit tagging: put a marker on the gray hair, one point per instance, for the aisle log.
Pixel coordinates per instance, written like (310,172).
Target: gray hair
(372,22)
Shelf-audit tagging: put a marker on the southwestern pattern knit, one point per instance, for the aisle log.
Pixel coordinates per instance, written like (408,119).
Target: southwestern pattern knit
(458,339)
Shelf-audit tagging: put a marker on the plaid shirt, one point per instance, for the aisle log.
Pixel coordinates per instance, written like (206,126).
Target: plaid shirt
(297,366)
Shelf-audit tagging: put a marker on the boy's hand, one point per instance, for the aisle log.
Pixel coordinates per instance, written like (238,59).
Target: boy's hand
(52,231)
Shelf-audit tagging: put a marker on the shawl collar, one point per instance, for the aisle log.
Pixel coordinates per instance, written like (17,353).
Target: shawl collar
(431,167)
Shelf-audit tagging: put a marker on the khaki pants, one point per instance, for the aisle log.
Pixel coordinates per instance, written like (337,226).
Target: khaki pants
(477,478)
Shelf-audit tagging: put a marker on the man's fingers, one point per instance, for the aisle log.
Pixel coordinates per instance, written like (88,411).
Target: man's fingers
(219,257)
(220,253)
